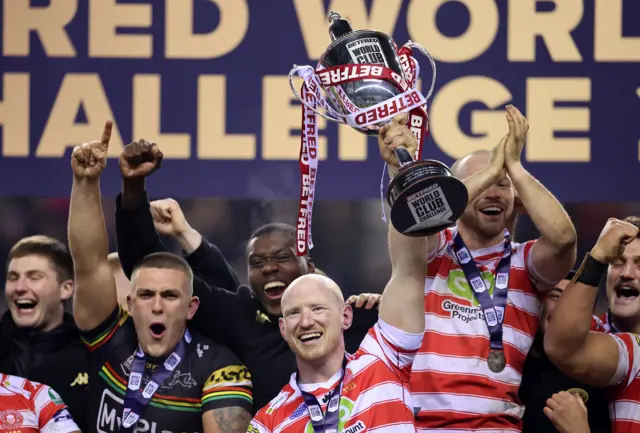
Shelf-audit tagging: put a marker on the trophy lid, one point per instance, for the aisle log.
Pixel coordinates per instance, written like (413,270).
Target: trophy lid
(339,26)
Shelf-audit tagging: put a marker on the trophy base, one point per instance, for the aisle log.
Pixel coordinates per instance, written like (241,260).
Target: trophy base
(425,198)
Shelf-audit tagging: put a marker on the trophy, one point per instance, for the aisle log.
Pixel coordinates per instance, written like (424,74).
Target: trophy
(364,80)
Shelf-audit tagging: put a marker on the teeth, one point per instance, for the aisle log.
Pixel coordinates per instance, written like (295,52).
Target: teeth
(25,303)
(492,209)
(273,285)
(306,337)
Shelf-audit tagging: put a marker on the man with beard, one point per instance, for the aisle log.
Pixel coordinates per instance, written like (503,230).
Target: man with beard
(482,297)
(541,380)
(597,358)
(151,373)
(245,319)
(38,340)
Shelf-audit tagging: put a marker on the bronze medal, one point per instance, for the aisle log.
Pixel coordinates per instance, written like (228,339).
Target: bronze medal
(497,361)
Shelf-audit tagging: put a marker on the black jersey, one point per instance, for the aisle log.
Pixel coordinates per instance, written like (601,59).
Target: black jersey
(209,377)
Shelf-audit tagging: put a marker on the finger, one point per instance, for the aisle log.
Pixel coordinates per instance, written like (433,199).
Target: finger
(165,212)
(351,299)
(86,153)
(372,302)
(400,141)
(78,154)
(157,154)
(581,402)
(553,403)
(361,300)
(401,119)
(548,412)
(393,133)
(106,134)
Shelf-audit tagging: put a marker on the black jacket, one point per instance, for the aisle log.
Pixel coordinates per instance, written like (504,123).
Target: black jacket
(56,358)
(232,318)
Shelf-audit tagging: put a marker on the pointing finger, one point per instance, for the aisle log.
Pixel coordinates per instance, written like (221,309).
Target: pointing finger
(106,134)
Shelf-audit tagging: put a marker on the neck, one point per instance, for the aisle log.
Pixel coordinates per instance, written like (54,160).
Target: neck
(629,324)
(476,241)
(320,370)
(55,322)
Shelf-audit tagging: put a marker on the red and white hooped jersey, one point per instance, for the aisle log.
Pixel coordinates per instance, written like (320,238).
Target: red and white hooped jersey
(375,394)
(602,323)
(452,386)
(30,407)
(624,408)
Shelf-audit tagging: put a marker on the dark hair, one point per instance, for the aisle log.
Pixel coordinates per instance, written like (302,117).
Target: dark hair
(165,260)
(275,227)
(633,220)
(47,247)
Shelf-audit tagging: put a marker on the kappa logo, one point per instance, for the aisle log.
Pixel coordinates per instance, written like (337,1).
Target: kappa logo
(81,379)
(344,413)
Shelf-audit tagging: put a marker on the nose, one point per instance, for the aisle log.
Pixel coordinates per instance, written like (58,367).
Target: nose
(19,286)
(157,307)
(270,266)
(493,192)
(629,271)
(306,319)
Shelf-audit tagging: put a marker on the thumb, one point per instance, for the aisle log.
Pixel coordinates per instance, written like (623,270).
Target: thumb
(106,135)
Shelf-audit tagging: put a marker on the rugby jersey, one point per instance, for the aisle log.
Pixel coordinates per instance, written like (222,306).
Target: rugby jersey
(602,323)
(209,377)
(30,407)
(375,394)
(452,386)
(624,408)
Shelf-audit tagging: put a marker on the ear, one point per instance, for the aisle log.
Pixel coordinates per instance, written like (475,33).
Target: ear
(347,317)
(67,289)
(311,266)
(282,327)
(194,303)
(129,302)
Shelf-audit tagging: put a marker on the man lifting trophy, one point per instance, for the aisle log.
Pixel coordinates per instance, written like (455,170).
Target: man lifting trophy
(364,80)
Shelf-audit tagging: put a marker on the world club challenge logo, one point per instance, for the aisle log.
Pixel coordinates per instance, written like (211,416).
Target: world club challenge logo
(367,50)
(429,207)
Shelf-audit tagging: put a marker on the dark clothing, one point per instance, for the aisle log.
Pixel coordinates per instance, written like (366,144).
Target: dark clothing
(233,319)
(540,380)
(209,377)
(56,358)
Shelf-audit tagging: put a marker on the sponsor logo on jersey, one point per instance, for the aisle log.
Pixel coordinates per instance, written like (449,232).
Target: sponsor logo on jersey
(344,412)
(277,402)
(55,397)
(300,411)
(229,374)
(81,379)
(10,419)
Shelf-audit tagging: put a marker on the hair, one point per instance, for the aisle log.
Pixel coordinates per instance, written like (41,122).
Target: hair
(633,220)
(47,247)
(266,229)
(165,260)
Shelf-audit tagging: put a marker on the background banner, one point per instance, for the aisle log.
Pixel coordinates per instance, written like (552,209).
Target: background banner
(207,80)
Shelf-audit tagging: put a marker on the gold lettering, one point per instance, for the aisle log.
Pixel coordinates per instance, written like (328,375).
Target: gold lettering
(213,141)
(609,44)
(14,114)
(105,17)
(279,117)
(482,30)
(182,43)
(146,118)
(19,19)
(545,118)
(489,124)
(313,19)
(61,131)
(555,28)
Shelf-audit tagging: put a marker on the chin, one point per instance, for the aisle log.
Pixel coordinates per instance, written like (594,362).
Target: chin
(626,311)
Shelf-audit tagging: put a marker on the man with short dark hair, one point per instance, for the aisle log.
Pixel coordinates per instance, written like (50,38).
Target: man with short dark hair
(153,374)
(38,340)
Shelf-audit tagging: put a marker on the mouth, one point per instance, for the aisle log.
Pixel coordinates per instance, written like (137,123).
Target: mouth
(491,211)
(25,305)
(626,293)
(157,330)
(309,337)
(274,289)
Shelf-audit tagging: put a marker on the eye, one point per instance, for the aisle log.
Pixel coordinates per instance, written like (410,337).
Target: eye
(318,308)
(255,263)
(283,258)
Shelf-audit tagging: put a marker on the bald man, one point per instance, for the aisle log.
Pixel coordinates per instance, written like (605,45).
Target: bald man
(482,297)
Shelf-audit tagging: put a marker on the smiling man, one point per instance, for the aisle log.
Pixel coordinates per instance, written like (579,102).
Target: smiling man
(152,373)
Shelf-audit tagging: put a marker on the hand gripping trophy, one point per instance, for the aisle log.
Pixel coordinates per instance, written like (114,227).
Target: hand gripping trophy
(364,80)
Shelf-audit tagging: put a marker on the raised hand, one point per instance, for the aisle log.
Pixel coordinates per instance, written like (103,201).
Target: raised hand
(89,159)
(168,218)
(613,239)
(139,159)
(366,300)
(518,128)
(394,135)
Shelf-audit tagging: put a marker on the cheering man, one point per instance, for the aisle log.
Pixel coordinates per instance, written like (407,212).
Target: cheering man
(152,373)
(598,358)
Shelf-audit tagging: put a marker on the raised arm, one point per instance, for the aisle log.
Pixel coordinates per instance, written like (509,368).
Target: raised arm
(96,295)
(590,357)
(554,254)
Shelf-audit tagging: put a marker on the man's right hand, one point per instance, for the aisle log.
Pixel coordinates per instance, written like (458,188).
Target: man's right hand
(89,159)
(168,218)
(139,159)
(613,239)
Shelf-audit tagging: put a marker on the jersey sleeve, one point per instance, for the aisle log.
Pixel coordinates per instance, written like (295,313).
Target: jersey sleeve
(628,359)
(395,347)
(53,415)
(444,238)
(228,383)
(257,426)
(103,334)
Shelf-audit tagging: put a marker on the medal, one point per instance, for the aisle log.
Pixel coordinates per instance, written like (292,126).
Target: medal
(497,362)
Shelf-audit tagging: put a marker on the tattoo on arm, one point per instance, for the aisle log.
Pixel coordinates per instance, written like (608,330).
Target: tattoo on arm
(232,419)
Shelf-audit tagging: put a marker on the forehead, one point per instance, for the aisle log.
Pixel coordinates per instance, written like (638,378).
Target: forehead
(159,279)
(633,249)
(304,293)
(269,242)
(32,262)
(473,164)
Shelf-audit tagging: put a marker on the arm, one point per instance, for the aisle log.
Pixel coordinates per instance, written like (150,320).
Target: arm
(590,357)
(96,297)
(555,252)
(226,420)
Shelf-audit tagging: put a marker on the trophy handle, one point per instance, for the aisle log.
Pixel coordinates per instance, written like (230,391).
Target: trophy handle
(403,155)
(296,70)
(423,50)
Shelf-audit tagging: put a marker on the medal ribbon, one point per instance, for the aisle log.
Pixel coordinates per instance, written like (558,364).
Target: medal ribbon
(135,401)
(493,309)
(326,422)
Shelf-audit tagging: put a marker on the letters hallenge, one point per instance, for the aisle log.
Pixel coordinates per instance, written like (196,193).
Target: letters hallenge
(364,80)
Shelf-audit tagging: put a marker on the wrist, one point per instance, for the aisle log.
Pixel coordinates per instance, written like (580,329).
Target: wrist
(591,271)
(133,192)
(189,239)
(515,169)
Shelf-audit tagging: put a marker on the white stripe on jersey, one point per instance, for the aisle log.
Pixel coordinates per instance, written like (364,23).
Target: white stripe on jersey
(469,366)
(467,404)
